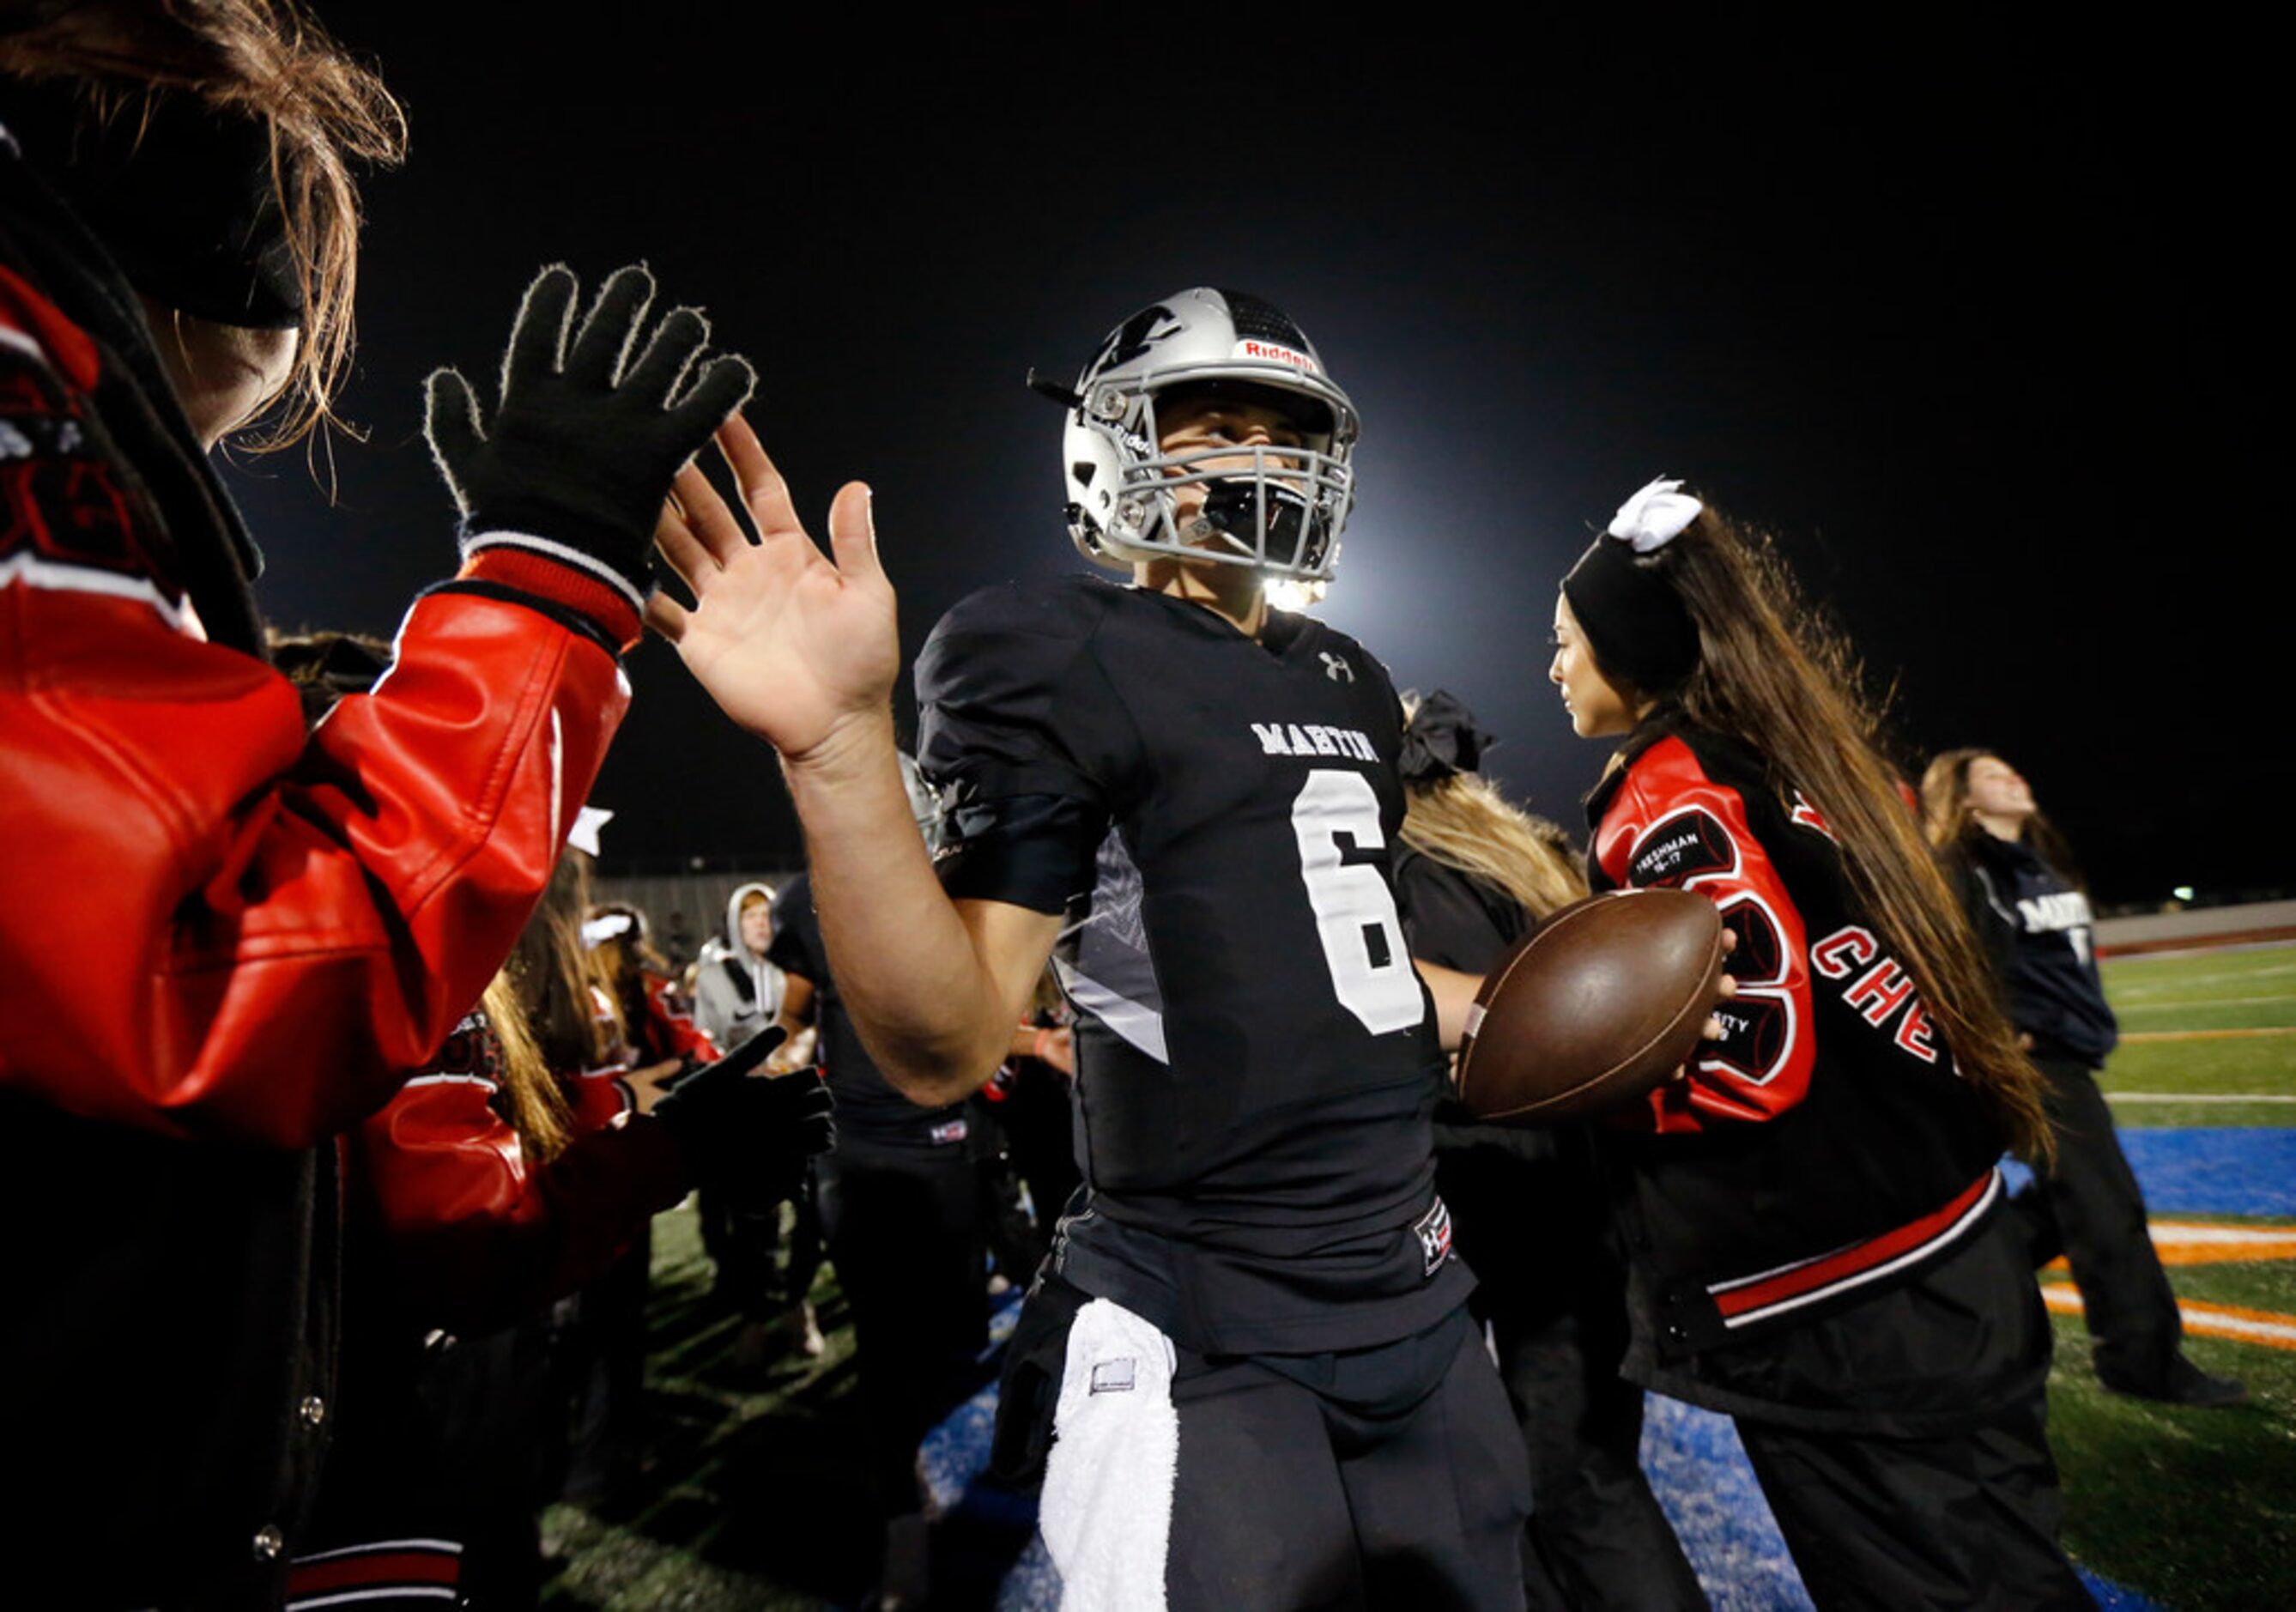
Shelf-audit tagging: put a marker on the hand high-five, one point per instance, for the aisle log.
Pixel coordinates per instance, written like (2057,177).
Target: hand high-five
(793,647)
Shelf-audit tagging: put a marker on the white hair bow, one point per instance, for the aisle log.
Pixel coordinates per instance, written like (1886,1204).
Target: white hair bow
(587,821)
(1655,516)
(598,931)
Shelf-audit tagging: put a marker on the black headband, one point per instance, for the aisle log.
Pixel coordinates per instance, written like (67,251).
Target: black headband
(1633,618)
(1440,739)
(185,199)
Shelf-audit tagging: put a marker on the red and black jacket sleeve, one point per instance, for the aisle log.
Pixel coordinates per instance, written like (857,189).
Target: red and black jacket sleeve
(475,1232)
(217,925)
(1671,825)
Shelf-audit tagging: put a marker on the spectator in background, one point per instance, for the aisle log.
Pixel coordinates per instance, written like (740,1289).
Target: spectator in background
(649,1045)
(225,940)
(900,1203)
(2018,883)
(738,991)
(1474,874)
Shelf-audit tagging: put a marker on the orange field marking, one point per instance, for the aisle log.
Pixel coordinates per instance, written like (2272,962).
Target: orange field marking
(2210,1320)
(2199,1243)
(2208,1035)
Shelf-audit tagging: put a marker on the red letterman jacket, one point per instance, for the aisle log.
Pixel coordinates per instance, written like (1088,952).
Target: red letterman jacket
(1824,1150)
(476,1235)
(223,941)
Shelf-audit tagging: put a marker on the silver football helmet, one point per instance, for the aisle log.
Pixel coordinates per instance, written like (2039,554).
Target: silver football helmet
(1280,514)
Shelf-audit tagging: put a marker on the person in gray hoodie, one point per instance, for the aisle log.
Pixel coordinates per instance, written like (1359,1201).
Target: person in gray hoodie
(737,992)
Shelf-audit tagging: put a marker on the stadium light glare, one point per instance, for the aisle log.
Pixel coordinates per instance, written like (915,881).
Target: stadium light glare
(1289,593)
(2183,893)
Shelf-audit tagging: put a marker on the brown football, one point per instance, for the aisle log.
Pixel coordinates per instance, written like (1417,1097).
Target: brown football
(1595,1008)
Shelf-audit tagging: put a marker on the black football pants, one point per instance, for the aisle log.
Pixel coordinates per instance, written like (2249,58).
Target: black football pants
(1287,1498)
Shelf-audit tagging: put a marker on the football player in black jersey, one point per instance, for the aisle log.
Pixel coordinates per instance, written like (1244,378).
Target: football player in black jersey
(1269,1392)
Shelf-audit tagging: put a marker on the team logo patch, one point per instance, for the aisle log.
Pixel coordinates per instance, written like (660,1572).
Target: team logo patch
(1759,954)
(473,1049)
(1682,847)
(1808,816)
(1754,1034)
(947,1132)
(1434,1230)
(1133,338)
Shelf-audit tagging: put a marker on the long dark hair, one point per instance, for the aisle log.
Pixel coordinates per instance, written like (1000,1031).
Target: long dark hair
(1947,818)
(263,59)
(1776,677)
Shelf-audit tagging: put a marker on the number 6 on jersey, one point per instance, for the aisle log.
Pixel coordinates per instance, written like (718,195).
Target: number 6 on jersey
(1354,911)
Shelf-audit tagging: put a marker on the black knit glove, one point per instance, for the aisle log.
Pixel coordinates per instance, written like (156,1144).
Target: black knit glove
(750,1135)
(578,459)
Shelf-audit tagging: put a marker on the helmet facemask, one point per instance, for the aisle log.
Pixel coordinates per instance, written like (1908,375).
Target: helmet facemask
(1276,508)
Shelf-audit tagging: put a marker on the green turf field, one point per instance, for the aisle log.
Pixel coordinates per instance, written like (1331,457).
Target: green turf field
(2195,1509)
(747,1472)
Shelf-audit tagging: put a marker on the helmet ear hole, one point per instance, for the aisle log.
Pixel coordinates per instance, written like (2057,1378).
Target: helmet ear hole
(1082,472)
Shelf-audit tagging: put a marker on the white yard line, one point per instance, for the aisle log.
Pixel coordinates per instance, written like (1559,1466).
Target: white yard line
(2200,1096)
(2217,1321)
(2187,1231)
(2206,1001)
(2191,979)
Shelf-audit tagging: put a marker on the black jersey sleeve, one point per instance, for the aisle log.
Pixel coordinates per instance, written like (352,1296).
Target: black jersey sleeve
(1026,738)
(796,947)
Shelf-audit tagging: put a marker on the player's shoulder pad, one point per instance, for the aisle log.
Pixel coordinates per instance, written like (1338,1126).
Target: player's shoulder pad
(1010,640)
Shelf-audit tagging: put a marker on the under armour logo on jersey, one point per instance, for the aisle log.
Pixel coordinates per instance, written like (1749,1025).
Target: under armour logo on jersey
(1336,667)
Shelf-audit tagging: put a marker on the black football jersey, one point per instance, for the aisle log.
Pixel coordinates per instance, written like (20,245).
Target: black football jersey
(872,1117)
(1214,816)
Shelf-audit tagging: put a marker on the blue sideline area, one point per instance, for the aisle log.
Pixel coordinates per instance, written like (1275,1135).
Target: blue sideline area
(1695,1464)
(2205,1169)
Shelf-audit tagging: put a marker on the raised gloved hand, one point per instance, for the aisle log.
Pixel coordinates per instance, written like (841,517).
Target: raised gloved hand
(578,457)
(750,1135)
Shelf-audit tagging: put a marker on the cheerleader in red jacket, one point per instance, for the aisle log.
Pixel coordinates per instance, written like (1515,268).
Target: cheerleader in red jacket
(222,939)
(519,1167)
(1809,1217)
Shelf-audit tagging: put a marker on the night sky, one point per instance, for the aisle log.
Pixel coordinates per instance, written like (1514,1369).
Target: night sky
(1977,322)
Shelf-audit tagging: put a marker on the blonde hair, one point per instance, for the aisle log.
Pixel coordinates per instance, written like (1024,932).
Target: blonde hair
(1462,821)
(538,1110)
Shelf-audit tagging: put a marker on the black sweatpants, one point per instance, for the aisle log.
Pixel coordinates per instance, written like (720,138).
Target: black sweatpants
(1966,1523)
(905,1234)
(1555,1304)
(1395,1482)
(2088,1204)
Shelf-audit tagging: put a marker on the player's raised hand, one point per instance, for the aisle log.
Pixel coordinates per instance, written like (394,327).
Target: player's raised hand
(792,643)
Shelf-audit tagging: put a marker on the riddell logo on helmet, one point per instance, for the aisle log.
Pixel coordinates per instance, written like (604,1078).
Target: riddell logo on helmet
(1267,352)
